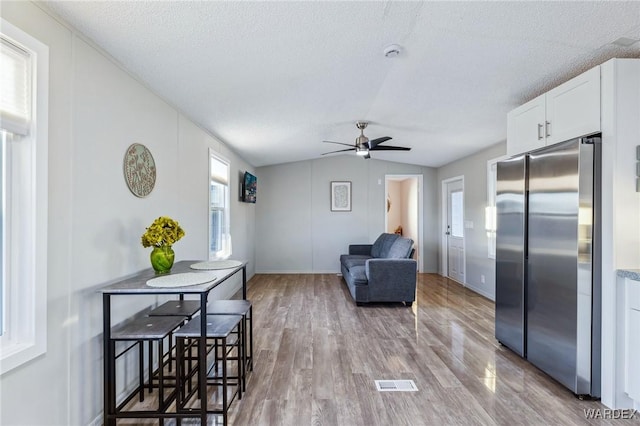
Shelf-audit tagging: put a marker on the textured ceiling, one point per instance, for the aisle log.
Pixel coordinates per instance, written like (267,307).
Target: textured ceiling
(274,79)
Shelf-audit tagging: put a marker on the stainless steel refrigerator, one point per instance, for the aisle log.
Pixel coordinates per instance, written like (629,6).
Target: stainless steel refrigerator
(548,261)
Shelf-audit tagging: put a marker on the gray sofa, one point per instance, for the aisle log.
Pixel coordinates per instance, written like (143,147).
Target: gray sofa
(382,271)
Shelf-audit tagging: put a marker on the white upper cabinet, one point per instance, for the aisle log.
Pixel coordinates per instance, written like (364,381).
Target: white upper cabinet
(573,108)
(568,111)
(525,127)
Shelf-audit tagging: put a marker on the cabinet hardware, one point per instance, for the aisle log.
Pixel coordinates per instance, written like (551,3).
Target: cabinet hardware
(540,135)
(547,128)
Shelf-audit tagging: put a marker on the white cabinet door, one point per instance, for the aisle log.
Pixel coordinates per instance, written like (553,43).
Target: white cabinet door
(525,127)
(569,111)
(632,385)
(573,108)
(633,355)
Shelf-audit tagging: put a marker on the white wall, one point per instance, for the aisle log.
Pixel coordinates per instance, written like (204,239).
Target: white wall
(474,170)
(297,232)
(394,215)
(409,191)
(403,194)
(96,110)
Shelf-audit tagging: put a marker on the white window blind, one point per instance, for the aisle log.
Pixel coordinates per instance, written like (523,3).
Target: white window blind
(219,171)
(15,88)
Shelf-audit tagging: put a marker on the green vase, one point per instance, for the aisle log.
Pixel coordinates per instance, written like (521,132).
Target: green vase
(162,259)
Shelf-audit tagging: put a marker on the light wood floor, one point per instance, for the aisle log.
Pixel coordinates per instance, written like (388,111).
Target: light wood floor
(317,355)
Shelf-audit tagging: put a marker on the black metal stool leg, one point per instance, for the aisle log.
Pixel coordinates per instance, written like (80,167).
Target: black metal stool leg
(180,373)
(251,338)
(141,368)
(241,358)
(170,351)
(150,366)
(224,381)
(161,380)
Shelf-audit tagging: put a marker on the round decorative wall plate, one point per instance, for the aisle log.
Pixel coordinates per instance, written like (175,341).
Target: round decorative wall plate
(139,170)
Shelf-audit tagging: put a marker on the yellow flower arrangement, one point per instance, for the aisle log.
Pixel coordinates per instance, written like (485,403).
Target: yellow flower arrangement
(164,231)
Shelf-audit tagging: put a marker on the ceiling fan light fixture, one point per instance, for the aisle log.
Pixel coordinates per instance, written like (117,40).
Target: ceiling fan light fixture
(362,150)
(363,146)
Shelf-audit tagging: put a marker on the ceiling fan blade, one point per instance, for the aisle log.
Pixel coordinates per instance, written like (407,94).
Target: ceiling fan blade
(340,143)
(340,150)
(373,143)
(390,148)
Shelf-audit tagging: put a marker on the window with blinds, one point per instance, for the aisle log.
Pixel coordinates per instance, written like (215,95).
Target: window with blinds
(24,79)
(219,216)
(15,119)
(15,88)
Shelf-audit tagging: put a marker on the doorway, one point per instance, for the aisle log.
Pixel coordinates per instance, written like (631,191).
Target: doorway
(403,210)
(453,246)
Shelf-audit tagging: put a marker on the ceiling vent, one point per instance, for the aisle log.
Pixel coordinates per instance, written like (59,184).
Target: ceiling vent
(625,41)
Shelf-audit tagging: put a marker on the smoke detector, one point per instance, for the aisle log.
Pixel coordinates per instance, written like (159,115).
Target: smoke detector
(392,51)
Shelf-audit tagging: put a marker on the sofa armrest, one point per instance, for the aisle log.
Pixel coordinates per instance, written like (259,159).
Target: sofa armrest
(363,249)
(391,279)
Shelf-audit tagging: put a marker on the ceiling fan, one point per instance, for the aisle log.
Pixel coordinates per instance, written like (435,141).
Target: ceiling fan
(364,146)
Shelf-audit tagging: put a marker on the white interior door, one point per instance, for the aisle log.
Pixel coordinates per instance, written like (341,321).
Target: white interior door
(455,230)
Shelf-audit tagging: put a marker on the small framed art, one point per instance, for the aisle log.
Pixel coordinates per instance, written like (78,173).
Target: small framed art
(249,188)
(340,196)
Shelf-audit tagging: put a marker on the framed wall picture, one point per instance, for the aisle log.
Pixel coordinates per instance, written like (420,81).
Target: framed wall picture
(139,170)
(249,188)
(340,196)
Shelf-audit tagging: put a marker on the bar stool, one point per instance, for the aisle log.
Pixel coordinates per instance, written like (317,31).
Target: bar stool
(175,308)
(219,328)
(237,307)
(140,330)
(180,308)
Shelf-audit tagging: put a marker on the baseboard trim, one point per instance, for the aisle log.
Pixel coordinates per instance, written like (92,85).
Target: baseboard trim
(97,421)
(481,292)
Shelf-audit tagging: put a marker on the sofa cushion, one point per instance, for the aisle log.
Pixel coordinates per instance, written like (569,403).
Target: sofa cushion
(358,276)
(353,260)
(400,248)
(382,245)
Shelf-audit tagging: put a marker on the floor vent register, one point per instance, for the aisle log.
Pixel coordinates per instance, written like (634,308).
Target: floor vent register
(396,386)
